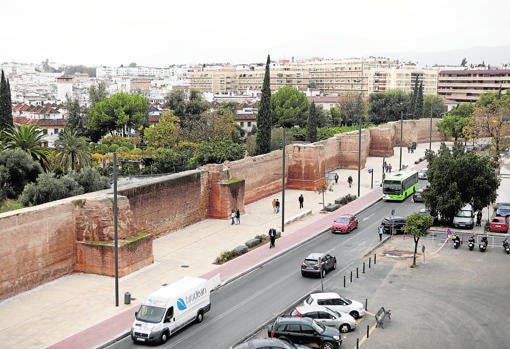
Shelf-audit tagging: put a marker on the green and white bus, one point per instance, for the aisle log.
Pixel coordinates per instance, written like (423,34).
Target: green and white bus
(398,186)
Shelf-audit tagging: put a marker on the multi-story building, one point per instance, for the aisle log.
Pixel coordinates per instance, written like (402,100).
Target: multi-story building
(330,78)
(460,86)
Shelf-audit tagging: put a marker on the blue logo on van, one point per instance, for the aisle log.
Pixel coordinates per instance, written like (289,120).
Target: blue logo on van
(181,304)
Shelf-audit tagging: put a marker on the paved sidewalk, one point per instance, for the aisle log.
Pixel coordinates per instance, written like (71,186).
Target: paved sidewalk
(79,310)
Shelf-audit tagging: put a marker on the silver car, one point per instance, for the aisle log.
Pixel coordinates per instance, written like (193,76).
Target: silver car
(323,315)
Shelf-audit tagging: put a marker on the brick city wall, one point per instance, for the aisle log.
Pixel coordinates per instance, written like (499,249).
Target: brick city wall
(48,241)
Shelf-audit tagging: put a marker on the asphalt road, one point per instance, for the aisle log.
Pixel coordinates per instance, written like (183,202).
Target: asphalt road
(457,299)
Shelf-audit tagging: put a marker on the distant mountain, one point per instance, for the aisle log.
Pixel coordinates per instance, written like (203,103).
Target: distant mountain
(493,56)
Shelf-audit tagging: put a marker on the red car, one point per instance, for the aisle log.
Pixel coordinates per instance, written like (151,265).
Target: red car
(499,224)
(344,224)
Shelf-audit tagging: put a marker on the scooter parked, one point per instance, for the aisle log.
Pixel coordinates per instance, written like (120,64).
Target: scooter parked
(482,246)
(456,241)
(506,246)
(471,243)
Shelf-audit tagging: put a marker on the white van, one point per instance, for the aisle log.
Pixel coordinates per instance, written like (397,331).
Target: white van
(171,308)
(464,218)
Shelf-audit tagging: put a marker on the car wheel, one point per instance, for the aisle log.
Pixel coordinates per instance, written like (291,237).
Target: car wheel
(200,317)
(302,274)
(163,338)
(327,345)
(354,314)
(334,265)
(344,328)
(323,272)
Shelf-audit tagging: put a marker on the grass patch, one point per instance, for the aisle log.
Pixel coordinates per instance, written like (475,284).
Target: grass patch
(10,205)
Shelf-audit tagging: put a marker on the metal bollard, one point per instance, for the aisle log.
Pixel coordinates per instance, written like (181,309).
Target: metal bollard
(351,275)
(369,261)
(363,267)
(375,258)
(344,281)
(357,343)
(368,331)
(357,273)
(366,303)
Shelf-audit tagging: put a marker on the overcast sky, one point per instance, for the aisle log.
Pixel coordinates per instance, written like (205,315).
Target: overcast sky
(161,33)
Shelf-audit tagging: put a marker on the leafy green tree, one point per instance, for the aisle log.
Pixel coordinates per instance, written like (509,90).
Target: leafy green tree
(165,133)
(350,109)
(76,120)
(28,138)
(264,120)
(5,104)
(311,125)
(418,225)
(90,179)
(433,104)
(17,169)
(176,100)
(413,103)
(289,107)
(217,151)
(97,93)
(197,104)
(118,113)
(335,115)
(387,106)
(491,118)
(453,123)
(457,178)
(171,160)
(49,188)
(72,151)
(418,112)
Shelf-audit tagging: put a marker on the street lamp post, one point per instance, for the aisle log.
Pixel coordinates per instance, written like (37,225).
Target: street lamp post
(401,126)
(430,136)
(359,133)
(115,229)
(283,181)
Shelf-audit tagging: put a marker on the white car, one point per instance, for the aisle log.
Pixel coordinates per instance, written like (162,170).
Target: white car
(322,315)
(422,174)
(336,302)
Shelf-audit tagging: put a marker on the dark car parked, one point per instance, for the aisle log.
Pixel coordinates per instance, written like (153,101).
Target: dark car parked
(268,343)
(417,197)
(393,224)
(318,264)
(503,209)
(303,330)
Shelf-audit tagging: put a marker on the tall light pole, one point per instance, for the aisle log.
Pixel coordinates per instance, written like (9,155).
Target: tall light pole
(283,181)
(401,126)
(115,229)
(430,137)
(359,131)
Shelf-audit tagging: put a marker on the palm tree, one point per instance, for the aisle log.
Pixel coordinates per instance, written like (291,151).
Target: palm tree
(72,151)
(29,138)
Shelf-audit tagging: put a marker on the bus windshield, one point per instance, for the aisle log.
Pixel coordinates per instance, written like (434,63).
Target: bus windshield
(392,187)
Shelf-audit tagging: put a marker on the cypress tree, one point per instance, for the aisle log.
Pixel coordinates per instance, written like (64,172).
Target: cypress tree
(263,141)
(419,102)
(412,107)
(5,103)
(311,125)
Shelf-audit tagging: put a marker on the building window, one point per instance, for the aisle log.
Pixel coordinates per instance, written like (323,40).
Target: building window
(241,124)
(249,123)
(45,131)
(55,131)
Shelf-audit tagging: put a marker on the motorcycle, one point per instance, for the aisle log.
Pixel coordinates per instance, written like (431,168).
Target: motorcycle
(482,246)
(506,246)
(456,241)
(471,243)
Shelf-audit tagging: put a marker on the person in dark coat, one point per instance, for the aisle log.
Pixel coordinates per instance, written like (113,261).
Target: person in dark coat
(301,200)
(238,216)
(277,207)
(272,237)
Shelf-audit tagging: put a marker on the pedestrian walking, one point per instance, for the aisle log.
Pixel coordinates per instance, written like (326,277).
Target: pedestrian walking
(336,178)
(381,231)
(238,217)
(277,206)
(389,168)
(272,237)
(274,205)
(301,200)
(349,180)
(233,216)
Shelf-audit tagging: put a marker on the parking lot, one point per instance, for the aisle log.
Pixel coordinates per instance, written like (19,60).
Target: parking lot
(453,298)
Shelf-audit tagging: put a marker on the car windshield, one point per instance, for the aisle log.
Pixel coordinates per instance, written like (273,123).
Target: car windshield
(392,186)
(504,207)
(150,314)
(318,327)
(342,220)
(464,213)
